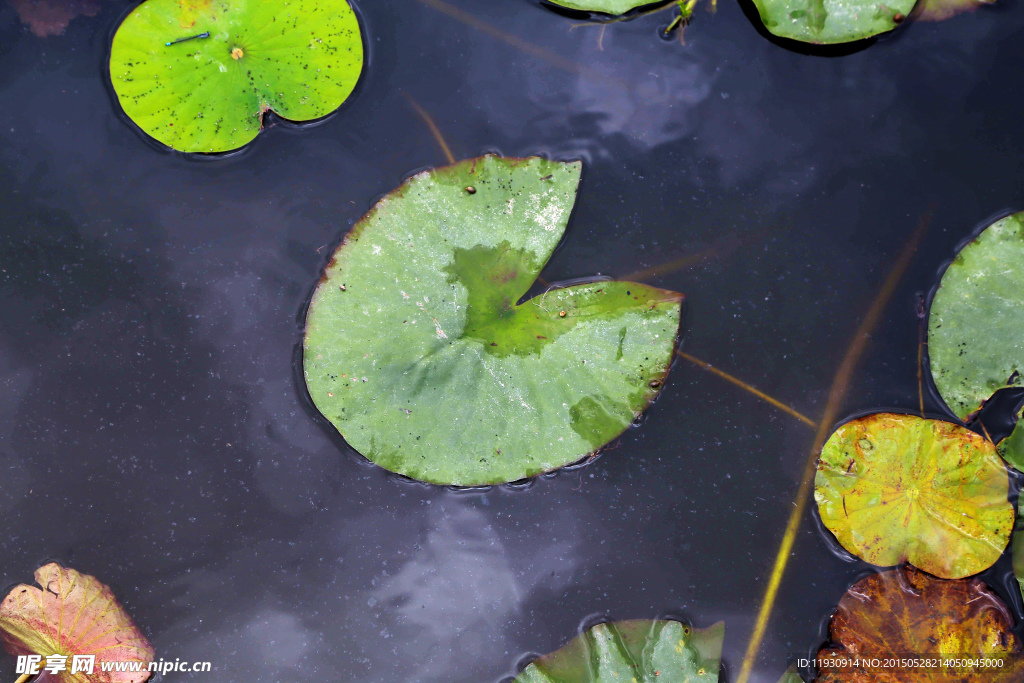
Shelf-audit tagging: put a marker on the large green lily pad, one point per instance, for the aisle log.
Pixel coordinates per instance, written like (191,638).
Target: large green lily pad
(605,6)
(832,21)
(899,488)
(298,58)
(640,650)
(976,324)
(419,351)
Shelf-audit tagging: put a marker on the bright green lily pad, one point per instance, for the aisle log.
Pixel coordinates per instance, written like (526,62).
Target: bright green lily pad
(899,488)
(642,651)
(605,6)
(298,58)
(976,324)
(419,352)
(832,21)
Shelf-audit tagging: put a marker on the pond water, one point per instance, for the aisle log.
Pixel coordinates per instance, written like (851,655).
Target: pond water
(155,431)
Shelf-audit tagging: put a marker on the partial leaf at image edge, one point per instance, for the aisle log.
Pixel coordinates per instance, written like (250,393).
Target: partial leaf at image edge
(831,21)
(900,488)
(198,75)
(791,676)
(50,17)
(663,650)
(613,7)
(941,10)
(905,612)
(1012,447)
(976,318)
(422,353)
(69,614)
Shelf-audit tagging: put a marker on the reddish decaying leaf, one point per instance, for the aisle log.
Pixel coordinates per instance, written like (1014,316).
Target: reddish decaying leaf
(51,17)
(73,614)
(905,613)
(940,10)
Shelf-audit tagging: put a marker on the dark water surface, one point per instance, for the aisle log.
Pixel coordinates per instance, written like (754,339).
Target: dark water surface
(154,431)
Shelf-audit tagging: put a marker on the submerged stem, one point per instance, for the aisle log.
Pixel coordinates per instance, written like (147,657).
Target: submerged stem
(627,17)
(432,127)
(840,383)
(743,385)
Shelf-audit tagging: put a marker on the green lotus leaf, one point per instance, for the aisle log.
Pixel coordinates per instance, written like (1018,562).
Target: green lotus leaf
(420,352)
(605,6)
(198,75)
(640,650)
(976,320)
(831,21)
(900,488)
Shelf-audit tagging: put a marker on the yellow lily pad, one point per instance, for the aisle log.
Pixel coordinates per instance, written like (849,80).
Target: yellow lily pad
(900,488)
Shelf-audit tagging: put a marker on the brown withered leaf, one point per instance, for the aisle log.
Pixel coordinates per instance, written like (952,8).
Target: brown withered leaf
(907,614)
(51,17)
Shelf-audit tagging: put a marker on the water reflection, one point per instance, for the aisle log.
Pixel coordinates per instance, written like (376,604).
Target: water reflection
(454,596)
(442,592)
(147,389)
(14,472)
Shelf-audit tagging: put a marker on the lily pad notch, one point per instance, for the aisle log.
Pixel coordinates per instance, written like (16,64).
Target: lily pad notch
(199,75)
(421,351)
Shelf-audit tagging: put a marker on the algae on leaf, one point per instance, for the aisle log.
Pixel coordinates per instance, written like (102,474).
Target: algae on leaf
(420,351)
(644,651)
(70,614)
(198,75)
(832,21)
(900,488)
(904,613)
